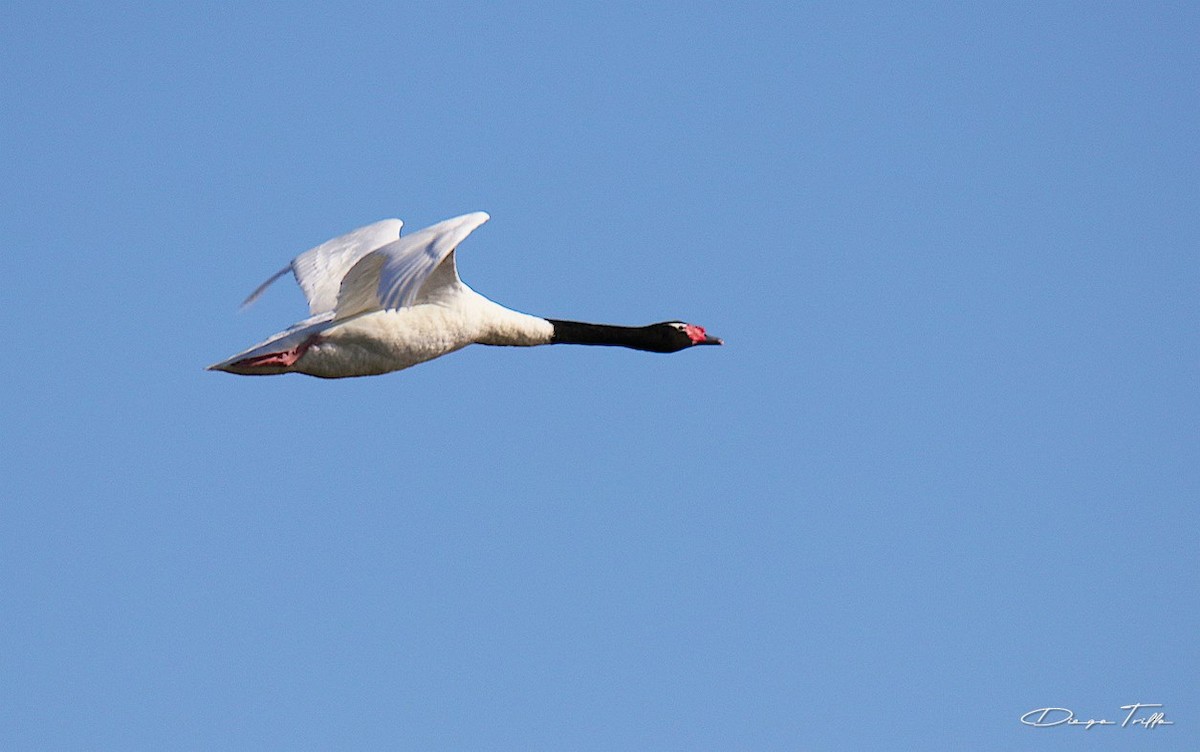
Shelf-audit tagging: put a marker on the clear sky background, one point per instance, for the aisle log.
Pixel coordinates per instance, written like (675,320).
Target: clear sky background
(945,470)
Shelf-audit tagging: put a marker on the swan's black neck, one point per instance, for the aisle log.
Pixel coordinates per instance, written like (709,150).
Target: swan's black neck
(661,338)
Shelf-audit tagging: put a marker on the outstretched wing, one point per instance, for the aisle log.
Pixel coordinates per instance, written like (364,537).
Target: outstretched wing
(392,277)
(319,271)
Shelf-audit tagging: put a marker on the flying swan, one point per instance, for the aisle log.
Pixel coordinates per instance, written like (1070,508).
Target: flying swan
(380,302)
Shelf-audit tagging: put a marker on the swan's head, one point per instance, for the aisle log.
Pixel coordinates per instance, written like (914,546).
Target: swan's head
(673,336)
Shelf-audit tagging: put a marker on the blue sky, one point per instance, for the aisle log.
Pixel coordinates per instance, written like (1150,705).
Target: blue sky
(944,471)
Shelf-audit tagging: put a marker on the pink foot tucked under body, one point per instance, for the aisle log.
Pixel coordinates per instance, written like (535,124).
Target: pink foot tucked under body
(285,358)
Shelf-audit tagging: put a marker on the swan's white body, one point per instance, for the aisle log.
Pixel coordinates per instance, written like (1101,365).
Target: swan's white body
(382,303)
(384,341)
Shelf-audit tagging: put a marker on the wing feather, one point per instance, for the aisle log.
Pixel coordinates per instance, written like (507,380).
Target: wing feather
(392,277)
(319,271)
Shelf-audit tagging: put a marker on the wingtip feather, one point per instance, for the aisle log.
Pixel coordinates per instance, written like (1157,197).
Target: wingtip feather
(258,291)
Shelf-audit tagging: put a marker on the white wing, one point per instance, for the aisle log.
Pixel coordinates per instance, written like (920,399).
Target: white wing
(319,271)
(392,277)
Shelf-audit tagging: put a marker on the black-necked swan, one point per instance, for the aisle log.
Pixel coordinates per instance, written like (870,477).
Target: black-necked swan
(381,302)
